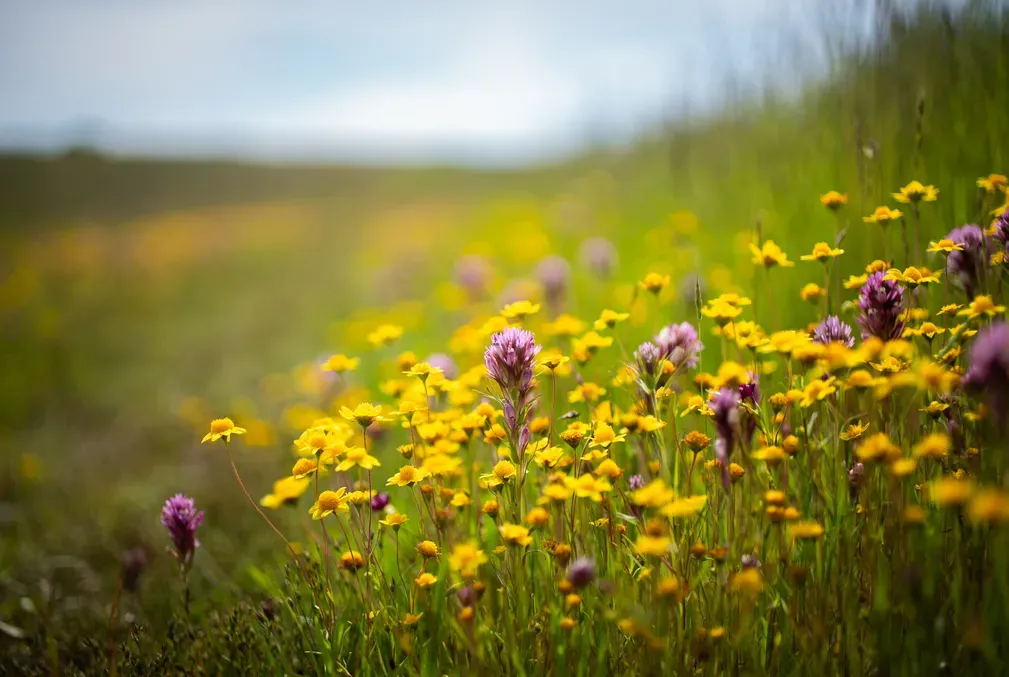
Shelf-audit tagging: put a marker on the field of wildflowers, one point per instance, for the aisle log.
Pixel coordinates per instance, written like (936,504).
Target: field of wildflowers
(748,419)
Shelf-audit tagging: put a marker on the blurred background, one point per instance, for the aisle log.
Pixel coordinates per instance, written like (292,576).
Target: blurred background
(198,201)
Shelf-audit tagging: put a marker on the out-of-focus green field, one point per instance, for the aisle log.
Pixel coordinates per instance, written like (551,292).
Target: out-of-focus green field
(140,299)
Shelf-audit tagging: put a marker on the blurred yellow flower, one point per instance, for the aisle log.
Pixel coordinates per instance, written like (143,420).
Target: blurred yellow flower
(769,255)
(822,252)
(916,192)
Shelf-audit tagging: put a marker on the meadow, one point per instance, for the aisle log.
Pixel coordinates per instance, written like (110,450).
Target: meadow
(729,400)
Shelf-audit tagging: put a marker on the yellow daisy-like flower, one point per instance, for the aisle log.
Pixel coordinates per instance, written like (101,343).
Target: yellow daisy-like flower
(854,431)
(384,335)
(992,183)
(721,312)
(564,325)
(949,309)
(822,252)
(812,292)
(833,200)
(520,310)
(655,494)
(357,457)
(603,436)
(609,319)
(364,414)
(340,363)
(466,558)
(684,507)
(697,405)
(285,492)
(951,491)
(395,520)
(770,455)
(586,392)
(817,390)
(587,486)
(329,503)
(408,475)
(654,282)
(652,546)
(936,445)
(352,561)
(769,255)
(916,192)
(423,370)
(503,471)
(982,306)
(553,360)
(883,215)
(855,281)
(944,246)
(304,467)
(425,580)
(515,534)
(222,427)
(911,276)
(428,549)
(805,530)
(877,447)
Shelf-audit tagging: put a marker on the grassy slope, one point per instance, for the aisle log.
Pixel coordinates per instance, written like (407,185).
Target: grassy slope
(96,399)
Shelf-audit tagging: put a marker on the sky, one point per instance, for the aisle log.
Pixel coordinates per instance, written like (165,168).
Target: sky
(443,80)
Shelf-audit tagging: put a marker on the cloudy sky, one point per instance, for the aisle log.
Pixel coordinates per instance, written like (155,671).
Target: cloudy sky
(443,79)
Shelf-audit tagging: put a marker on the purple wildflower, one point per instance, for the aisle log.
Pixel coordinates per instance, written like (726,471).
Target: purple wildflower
(636,482)
(582,572)
(1002,229)
(510,360)
(749,562)
(882,303)
(473,272)
(182,520)
(680,344)
(553,273)
(379,501)
(648,356)
(967,266)
(445,363)
(833,330)
(989,367)
(598,255)
(725,406)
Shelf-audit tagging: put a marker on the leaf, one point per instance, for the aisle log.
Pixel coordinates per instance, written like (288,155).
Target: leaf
(12,631)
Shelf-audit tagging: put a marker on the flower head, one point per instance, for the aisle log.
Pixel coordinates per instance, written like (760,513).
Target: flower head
(180,517)
(680,345)
(581,572)
(916,192)
(833,330)
(598,255)
(769,255)
(989,366)
(822,252)
(222,427)
(966,264)
(883,216)
(511,358)
(329,503)
(881,302)
(833,200)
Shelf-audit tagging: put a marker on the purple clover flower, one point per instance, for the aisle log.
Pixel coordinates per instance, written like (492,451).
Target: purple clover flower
(989,367)
(599,255)
(510,360)
(647,357)
(833,330)
(379,501)
(725,406)
(882,303)
(473,272)
(680,344)
(581,572)
(967,266)
(636,482)
(180,517)
(553,273)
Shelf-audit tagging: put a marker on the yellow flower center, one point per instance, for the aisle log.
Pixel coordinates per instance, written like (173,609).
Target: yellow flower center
(330,500)
(407,473)
(221,425)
